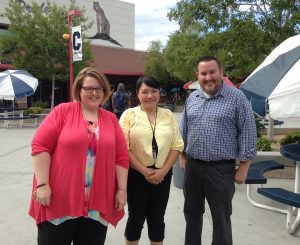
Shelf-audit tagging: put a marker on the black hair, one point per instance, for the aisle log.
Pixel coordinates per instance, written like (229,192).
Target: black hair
(209,58)
(149,81)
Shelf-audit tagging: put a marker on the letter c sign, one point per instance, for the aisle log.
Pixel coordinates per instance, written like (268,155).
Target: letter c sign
(76,43)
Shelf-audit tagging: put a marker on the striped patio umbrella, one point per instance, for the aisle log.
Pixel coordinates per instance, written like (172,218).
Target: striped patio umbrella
(276,82)
(16,84)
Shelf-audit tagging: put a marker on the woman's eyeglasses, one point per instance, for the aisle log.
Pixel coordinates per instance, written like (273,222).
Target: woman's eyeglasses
(90,90)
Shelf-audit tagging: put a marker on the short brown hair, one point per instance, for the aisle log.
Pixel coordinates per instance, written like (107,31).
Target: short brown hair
(90,72)
(208,58)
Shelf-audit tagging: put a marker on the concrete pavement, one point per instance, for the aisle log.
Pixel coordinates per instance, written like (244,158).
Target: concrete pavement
(251,225)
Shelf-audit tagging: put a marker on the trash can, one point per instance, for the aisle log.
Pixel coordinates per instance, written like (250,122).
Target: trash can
(178,175)
(170,106)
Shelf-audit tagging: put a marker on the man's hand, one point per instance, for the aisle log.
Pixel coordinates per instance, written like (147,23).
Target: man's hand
(241,173)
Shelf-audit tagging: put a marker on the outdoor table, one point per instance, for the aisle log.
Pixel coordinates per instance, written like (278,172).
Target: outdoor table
(6,111)
(292,151)
(12,109)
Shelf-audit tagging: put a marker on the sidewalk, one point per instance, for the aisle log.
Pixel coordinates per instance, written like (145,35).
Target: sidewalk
(251,225)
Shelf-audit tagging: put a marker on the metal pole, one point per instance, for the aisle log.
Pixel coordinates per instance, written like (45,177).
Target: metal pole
(270,131)
(70,14)
(70,54)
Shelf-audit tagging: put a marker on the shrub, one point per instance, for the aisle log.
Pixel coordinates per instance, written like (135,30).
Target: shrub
(290,138)
(40,104)
(34,110)
(179,103)
(263,144)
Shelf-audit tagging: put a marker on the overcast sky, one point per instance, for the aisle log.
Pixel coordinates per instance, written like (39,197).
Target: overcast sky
(151,21)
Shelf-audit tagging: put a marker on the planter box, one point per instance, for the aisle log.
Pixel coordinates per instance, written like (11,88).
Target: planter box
(178,108)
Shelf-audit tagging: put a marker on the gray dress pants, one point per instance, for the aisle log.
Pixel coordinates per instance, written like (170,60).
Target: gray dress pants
(215,182)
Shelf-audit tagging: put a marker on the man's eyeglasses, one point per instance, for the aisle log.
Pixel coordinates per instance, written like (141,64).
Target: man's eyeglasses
(90,90)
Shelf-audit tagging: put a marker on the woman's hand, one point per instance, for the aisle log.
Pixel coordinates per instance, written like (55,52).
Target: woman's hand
(43,195)
(120,199)
(156,176)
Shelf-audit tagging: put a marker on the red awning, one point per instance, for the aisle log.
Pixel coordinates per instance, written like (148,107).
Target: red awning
(196,85)
(4,67)
(122,73)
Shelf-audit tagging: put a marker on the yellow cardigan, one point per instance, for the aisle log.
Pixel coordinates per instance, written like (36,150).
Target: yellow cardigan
(138,134)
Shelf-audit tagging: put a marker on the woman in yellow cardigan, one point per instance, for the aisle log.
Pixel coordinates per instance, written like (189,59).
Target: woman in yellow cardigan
(154,144)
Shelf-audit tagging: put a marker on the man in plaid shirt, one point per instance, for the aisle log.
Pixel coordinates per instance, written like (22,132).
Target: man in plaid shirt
(217,127)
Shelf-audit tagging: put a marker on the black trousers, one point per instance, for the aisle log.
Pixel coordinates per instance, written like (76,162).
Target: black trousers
(80,231)
(216,184)
(146,202)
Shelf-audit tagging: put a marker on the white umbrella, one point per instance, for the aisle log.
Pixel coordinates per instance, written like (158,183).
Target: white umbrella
(277,82)
(16,84)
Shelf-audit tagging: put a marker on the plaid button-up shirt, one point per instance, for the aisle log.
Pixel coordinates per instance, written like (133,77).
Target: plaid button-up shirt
(220,127)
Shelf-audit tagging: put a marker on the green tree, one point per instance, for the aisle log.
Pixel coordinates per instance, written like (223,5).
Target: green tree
(37,44)
(209,15)
(239,33)
(155,64)
(279,19)
(239,48)
(181,54)
(243,47)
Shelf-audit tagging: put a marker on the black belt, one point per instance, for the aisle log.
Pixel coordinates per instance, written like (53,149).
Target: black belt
(213,163)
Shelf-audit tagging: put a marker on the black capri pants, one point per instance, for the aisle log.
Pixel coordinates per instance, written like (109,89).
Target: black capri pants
(146,202)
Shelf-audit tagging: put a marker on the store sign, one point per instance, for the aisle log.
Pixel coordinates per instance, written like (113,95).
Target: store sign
(76,43)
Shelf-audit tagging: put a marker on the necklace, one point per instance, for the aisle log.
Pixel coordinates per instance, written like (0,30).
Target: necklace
(153,128)
(90,117)
(154,143)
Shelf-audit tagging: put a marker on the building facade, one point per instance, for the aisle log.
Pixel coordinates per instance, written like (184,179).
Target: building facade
(112,37)
(113,20)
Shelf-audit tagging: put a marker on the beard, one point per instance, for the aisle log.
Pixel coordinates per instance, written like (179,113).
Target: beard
(211,87)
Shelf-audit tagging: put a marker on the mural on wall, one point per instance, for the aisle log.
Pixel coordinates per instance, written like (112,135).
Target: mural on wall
(103,25)
(27,7)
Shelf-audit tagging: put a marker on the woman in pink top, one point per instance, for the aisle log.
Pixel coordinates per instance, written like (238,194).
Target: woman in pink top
(80,164)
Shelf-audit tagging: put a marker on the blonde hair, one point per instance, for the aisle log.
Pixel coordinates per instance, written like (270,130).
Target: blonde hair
(90,72)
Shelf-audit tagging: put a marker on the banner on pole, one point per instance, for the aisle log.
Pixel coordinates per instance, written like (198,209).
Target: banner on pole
(76,43)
